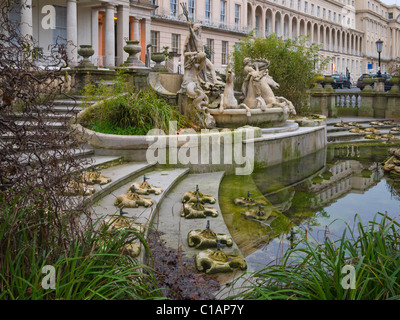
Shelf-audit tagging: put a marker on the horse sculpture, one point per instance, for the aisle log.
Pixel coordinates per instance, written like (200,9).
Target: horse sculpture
(257,89)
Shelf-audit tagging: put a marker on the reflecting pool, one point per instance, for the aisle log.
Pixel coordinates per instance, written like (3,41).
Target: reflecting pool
(316,195)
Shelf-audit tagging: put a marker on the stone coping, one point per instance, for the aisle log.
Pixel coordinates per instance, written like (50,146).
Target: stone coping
(244,111)
(122,142)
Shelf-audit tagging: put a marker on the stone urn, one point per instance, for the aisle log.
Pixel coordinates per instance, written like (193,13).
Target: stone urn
(328,83)
(86,51)
(318,79)
(158,57)
(133,48)
(368,81)
(395,82)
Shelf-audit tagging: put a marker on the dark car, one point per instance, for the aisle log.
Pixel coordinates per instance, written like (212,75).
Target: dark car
(387,76)
(341,81)
(360,82)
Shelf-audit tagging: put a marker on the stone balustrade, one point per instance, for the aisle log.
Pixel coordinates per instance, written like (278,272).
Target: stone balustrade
(366,103)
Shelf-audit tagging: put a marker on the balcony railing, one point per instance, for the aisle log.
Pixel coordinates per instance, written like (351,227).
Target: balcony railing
(205,21)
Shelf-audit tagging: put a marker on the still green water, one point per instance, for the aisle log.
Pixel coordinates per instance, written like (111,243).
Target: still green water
(316,195)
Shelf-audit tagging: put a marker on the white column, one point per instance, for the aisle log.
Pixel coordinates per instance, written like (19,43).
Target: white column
(72,32)
(95,36)
(122,33)
(26,19)
(109,43)
(136,29)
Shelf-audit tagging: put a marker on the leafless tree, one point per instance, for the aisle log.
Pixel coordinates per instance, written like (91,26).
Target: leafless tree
(37,161)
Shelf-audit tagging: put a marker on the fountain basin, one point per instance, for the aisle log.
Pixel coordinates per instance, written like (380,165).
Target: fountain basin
(233,118)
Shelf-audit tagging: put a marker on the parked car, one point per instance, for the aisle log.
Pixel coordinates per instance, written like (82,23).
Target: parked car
(341,81)
(387,76)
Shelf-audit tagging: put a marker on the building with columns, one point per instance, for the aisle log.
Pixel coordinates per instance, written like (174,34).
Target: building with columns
(346,30)
(106,25)
(340,27)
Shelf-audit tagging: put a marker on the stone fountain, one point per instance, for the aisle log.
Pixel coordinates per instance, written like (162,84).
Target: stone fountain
(212,103)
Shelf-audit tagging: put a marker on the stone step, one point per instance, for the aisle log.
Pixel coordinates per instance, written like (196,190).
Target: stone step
(77,153)
(32,125)
(120,175)
(159,177)
(56,117)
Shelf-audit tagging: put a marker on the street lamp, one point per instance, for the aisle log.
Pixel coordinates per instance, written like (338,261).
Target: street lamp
(379,45)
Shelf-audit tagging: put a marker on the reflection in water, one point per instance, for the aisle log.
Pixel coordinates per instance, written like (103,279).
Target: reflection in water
(316,194)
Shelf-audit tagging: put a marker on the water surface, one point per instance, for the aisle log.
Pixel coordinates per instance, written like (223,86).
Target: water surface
(316,195)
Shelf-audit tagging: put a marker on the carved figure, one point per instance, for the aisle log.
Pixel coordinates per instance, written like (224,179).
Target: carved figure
(193,210)
(257,90)
(132,200)
(257,214)
(215,261)
(207,238)
(75,188)
(94,178)
(110,227)
(193,43)
(195,196)
(144,187)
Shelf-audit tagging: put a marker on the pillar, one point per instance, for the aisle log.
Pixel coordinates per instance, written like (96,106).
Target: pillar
(95,36)
(109,42)
(72,32)
(122,33)
(136,29)
(26,19)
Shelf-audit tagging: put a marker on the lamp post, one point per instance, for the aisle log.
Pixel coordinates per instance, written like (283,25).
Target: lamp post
(379,45)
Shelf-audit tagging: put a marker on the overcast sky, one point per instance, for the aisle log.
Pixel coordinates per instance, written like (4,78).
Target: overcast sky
(391,2)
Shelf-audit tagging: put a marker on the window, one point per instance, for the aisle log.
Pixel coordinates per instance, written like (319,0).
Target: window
(329,15)
(334,17)
(191,6)
(324,13)
(224,53)
(210,49)
(60,32)
(339,18)
(173,8)
(175,40)
(299,5)
(305,6)
(318,11)
(291,3)
(390,15)
(208,11)
(237,16)
(312,9)
(222,17)
(155,41)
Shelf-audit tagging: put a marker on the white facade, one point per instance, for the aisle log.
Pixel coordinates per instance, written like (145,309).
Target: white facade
(346,30)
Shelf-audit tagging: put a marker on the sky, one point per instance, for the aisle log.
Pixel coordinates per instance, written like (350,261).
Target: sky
(391,2)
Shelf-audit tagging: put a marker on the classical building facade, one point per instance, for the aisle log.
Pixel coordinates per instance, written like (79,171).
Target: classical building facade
(346,30)
(105,25)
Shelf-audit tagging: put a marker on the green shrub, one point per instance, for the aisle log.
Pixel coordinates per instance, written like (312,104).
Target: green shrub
(292,64)
(132,114)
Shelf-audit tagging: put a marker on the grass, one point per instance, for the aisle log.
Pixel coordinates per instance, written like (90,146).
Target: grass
(89,267)
(312,271)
